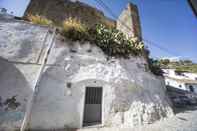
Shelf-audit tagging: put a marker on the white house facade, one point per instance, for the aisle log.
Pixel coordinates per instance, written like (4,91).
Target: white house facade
(184,81)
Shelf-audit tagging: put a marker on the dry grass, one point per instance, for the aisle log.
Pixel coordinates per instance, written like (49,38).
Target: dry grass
(36,19)
(74,29)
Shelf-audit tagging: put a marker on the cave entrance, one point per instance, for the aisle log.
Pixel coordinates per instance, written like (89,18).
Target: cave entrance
(93,106)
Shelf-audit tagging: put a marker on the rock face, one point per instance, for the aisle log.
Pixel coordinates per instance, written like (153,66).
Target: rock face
(59,10)
(131,95)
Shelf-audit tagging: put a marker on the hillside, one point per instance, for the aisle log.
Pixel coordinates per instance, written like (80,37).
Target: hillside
(182,65)
(59,10)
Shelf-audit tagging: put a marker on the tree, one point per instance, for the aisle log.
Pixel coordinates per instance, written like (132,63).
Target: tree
(165,61)
(187,62)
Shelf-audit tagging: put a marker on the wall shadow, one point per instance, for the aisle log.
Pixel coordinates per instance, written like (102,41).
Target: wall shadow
(14,93)
(183,101)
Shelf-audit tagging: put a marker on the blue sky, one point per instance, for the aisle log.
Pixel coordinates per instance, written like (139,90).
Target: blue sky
(168,23)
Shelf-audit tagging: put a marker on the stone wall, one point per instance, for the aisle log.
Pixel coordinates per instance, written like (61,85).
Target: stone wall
(129,22)
(59,10)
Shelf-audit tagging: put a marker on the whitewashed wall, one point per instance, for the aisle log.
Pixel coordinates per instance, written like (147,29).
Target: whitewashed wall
(20,47)
(131,92)
(132,95)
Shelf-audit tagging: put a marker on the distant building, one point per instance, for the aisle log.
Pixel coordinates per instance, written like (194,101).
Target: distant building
(181,80)
(193,4)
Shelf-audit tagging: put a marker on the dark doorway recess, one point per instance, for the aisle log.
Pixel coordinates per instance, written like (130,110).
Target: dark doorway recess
(93,106)
(191,88)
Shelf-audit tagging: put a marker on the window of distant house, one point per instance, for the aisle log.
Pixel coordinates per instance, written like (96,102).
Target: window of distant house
(196,78)
(191,88)
(168,83)
(180,86)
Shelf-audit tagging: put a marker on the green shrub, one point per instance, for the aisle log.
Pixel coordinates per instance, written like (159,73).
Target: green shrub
(114,43)
(110,40)
(36,19)
(74,30)
(187,68)
(180,66)
(155,67)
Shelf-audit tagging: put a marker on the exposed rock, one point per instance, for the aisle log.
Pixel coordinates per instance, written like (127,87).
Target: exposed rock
(132,96)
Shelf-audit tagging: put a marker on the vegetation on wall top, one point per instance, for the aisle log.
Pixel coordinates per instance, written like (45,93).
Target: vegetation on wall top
(115,43)
(110,40)
(37,19)
(73,29)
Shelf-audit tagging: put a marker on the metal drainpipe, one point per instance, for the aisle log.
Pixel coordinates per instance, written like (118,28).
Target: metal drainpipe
(31,100)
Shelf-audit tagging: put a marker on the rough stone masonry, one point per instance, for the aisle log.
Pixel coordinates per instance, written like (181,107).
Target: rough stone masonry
(131,94)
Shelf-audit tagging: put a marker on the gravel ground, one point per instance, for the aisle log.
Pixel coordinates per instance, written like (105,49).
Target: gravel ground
(184,120)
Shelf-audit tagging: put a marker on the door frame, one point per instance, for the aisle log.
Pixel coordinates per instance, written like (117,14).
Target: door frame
(83,106)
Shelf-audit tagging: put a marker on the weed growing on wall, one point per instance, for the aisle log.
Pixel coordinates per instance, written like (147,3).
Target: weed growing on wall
(37,19)
(110,40)
(74,30)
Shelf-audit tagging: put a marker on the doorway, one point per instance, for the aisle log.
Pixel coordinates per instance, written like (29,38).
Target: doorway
(93,106)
